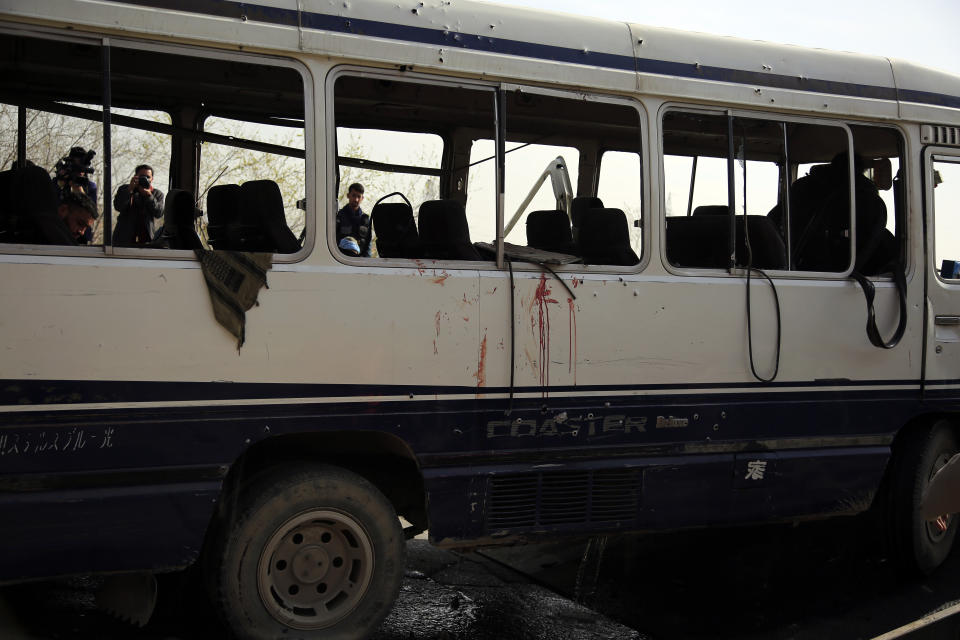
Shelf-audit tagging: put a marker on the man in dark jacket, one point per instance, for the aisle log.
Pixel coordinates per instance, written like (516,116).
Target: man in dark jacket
(140,205)
(353,222)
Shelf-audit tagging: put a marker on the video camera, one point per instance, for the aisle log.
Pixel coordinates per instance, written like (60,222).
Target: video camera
(74,167)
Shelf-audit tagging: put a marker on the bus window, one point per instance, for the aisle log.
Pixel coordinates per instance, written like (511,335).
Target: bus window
(809,231)
(415,142)
(58,119)
(878,152)
(621,186)
(552,157)
(360,150)
(946,202)
(237,128)
(134,148)
(254,133)
(223,164)
(524,164)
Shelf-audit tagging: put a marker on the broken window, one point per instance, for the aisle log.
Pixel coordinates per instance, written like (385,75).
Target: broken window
(429,150)
(221,138)
(776,194)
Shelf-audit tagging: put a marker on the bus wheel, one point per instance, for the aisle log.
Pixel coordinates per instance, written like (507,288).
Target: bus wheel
(313,551)
(920,546)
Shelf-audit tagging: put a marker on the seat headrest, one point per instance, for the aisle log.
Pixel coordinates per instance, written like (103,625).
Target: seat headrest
(260,200)
(712,210)
(395,230)
(262,208)
(444,232)
(580,205)
(179,208)
(550,231)
(605,238)
(223,203)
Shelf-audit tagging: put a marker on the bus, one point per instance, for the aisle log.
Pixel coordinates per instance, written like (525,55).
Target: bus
(600,277)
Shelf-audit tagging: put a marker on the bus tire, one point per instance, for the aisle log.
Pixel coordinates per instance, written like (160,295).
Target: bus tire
(919,547)
(313,551)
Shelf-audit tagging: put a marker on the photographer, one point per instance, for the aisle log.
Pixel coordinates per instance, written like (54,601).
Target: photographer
(140,205)
(73,173)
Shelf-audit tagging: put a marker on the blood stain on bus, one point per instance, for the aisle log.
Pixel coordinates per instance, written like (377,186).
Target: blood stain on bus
(481,374)
(572,347)
(441,278)
(541,299)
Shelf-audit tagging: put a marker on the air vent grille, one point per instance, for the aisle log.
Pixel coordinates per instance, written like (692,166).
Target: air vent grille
(934,134)
(563,498)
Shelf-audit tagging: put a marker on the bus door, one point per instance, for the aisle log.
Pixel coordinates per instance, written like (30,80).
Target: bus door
(942,197)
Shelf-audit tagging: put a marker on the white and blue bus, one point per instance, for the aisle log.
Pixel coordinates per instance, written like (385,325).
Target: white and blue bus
(621,278)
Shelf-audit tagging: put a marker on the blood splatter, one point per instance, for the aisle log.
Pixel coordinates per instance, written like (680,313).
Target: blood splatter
(481,374)
(542,299)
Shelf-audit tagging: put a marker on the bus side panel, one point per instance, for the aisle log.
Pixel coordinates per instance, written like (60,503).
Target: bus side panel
(134,528)
(507,503)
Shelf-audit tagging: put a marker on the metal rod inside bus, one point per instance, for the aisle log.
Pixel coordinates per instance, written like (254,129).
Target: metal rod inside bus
(21,136)
(105,184)
(731,194)
(785,195)
(693,181)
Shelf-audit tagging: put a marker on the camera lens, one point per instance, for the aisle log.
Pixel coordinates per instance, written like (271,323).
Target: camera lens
(144,181)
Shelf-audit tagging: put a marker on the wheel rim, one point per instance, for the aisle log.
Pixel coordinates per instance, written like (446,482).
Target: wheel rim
(315,569)
(938,529)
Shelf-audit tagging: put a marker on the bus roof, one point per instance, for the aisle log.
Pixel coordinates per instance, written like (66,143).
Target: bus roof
(460,34)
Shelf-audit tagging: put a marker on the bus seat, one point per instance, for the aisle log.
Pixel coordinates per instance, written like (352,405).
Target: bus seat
(444,232)
(223,211)
(550,231)
(820,219)
(701,242)
(605,238)
(179,216)
(579,207)
(263,220)
(712,210)
(396,230)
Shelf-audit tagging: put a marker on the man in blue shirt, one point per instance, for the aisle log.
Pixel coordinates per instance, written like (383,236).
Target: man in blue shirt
(353,222)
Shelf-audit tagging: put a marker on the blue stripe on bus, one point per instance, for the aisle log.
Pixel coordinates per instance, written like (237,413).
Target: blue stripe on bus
(56,392)
(475,42)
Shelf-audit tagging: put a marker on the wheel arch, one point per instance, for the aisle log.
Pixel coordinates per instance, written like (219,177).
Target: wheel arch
(381,458)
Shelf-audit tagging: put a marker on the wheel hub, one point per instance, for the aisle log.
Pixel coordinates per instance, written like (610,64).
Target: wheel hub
(310,564)
(315,569)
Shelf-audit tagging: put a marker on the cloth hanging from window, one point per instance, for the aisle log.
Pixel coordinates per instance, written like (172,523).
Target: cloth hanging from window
(234,280)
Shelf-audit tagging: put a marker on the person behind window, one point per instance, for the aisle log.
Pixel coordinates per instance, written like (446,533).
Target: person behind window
(354,223)
(72,173)
(69,223)
(140,205)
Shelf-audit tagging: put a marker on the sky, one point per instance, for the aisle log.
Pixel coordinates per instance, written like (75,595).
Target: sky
(922,31)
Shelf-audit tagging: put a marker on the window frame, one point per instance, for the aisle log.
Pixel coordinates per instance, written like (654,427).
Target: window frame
(774,116)
(332,158)
(497,89)
(107,250)
(931,155)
